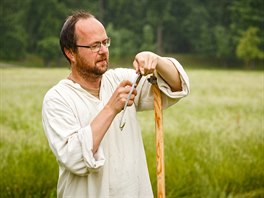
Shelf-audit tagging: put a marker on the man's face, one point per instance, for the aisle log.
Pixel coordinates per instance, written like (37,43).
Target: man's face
(89,63)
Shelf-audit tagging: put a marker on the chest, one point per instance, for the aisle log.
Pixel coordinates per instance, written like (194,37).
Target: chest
(85,106)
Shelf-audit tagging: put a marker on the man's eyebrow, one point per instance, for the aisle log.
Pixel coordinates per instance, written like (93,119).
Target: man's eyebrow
(96,42)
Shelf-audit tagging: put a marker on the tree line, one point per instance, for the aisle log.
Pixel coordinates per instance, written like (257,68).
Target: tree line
(222,29)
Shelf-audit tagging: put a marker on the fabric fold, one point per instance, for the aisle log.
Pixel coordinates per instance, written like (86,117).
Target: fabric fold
(93,161)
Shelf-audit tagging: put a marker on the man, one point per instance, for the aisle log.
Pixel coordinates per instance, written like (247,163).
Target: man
(81,114)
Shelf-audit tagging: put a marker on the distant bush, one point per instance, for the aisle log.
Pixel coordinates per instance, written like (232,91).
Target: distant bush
(49,49)
(249,47)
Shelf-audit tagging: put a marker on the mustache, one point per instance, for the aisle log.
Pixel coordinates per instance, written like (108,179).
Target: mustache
(102,58)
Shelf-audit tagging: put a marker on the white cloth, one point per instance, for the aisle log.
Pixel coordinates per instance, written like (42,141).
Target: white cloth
(119,167)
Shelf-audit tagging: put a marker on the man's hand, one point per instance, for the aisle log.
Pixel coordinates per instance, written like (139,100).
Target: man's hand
(115,104)
(119,97)
(145,62)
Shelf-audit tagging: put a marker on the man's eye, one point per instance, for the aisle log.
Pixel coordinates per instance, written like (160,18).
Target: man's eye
(95,45)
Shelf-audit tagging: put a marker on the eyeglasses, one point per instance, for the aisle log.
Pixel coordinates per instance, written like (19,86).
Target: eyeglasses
(97,45)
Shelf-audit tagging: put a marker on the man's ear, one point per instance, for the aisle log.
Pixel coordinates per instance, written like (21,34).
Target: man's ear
(70,54)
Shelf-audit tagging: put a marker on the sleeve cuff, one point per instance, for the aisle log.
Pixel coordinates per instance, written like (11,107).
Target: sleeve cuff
(165,88)
(93,161)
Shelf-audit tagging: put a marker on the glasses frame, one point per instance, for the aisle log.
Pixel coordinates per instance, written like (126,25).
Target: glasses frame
(95,47)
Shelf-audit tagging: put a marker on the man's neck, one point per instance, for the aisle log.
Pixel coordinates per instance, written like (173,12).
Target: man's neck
(89,83)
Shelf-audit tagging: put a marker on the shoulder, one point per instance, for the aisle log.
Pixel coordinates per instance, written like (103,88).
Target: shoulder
(120,74)
(52,92)
(61,90)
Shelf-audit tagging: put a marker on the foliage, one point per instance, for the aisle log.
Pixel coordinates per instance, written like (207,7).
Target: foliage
(213,138)
(222,42)
(248,48)
(246,14)
(122,42)
(207,28)
(198,21)
(13,36)
(49,49)
(148,39)
(48,18)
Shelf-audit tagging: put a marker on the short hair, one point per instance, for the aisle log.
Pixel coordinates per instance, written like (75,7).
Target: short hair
(67,34)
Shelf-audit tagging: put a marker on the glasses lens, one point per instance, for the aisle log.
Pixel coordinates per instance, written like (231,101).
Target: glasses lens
(108,42)
(96,47)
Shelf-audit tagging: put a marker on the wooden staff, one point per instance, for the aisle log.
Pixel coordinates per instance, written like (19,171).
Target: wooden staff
(159,138)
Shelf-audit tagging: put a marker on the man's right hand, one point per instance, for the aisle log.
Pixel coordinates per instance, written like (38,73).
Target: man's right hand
(115,104)
(119,97)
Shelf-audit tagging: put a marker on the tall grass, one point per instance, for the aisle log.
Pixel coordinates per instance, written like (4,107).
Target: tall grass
(28,168)
(213,138)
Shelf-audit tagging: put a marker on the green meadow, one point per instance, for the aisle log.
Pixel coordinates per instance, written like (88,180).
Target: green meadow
(214,138)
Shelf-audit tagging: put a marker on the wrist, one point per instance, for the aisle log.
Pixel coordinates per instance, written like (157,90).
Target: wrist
(110,110)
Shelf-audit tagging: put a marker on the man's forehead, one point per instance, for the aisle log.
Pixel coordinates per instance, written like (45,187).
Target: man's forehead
(91,25)
(89,31)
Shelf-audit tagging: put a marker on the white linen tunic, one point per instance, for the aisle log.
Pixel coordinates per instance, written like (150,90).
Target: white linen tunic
(119,167)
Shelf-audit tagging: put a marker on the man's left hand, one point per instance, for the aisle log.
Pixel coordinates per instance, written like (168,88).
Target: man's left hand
(146,62)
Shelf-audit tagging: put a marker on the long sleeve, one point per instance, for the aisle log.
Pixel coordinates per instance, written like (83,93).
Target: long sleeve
(71,143)
(144,100)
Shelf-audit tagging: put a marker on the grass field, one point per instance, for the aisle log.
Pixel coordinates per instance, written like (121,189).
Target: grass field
(214,146)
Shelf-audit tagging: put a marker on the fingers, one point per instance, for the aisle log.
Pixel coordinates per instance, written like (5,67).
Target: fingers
(139,65)
(120,96)
(123,91)
(124,94)
(125,83)
(145,62)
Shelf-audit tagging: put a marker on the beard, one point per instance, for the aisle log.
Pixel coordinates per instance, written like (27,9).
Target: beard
(88,71)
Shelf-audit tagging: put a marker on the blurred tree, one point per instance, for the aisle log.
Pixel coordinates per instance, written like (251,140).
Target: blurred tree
(102,5)
(246,14)
(122,41)
(174,35)
(197,29)
(73,5)
(13,35)
(128,15)
(208,27)
(223,45)
(222,40)
(148,39)
(157,14)
(45,19)
(248,48)
(115,41)
(49,49)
